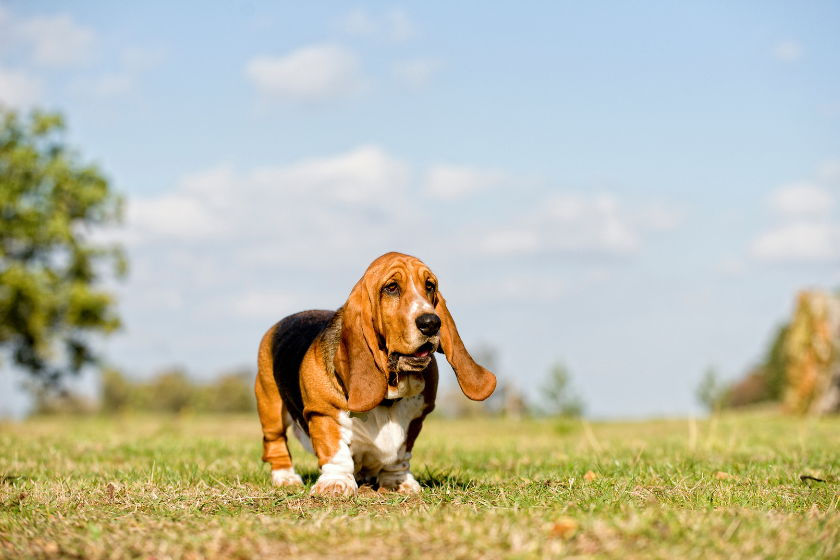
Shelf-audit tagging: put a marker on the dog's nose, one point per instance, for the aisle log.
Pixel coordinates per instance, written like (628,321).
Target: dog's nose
(428,323)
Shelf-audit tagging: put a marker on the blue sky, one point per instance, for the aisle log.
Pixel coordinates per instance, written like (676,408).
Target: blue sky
(637,189)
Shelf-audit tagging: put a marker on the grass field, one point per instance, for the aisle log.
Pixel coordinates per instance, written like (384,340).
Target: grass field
(194,487)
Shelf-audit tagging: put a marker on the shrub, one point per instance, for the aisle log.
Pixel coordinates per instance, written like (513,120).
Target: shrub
(172,391)
(561,397)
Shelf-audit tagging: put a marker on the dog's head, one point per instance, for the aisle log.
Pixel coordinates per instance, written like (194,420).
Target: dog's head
(394,320)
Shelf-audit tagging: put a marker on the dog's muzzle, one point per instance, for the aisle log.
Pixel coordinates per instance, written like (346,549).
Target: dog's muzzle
(414,362)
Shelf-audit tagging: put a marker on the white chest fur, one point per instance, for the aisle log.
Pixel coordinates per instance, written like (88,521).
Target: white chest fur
(379,441)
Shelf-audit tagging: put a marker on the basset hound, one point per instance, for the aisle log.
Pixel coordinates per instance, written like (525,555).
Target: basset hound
(355,384)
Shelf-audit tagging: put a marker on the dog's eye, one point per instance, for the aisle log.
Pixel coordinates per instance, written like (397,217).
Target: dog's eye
(430,287)
(392,288)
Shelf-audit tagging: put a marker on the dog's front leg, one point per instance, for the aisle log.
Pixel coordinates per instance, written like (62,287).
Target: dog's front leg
(397,477)
(331,443)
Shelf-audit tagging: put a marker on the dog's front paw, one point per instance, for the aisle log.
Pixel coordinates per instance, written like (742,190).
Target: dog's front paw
(405,486)
(286,477)
(335,487)
(409,486)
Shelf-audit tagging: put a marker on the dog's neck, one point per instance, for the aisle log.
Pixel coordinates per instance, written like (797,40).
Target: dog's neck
(330,339)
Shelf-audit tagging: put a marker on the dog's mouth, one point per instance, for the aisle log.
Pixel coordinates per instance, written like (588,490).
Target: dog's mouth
(424,350)
(411,362)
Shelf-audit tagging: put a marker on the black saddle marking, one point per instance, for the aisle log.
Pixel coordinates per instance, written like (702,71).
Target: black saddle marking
(292,339)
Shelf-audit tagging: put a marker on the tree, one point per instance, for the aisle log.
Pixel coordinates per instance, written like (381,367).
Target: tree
(775,364)
(711,391)
(558,391)
(51,299)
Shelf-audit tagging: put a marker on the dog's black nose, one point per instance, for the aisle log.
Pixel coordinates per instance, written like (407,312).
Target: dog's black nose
(428,323)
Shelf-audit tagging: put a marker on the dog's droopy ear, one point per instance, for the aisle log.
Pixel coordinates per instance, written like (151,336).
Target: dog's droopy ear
(358,355)
(476,382)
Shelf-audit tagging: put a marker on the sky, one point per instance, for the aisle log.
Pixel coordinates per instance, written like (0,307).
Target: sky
(635,189)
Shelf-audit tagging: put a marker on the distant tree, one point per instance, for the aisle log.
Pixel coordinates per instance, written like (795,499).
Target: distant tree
(231,392)
(50,271)
(172,391)
(117,392)
(558,392)
(775,364)
(486,355)
(711,391)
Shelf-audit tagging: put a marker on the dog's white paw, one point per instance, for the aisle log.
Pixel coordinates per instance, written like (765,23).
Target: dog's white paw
(286,477)
(335,487)
(406,485)
(409,486)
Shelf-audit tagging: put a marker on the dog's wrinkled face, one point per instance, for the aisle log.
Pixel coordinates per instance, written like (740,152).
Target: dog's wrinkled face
(393,321)
(408,324)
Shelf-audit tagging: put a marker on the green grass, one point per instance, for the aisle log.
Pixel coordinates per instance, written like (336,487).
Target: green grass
(153,487)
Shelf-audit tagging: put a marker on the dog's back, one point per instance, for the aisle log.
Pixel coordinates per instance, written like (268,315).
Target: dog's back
(292,338)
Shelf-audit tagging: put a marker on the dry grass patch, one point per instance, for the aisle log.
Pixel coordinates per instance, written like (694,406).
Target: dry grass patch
(194,487)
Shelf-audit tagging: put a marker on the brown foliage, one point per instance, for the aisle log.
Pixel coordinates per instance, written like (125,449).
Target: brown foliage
(750,390)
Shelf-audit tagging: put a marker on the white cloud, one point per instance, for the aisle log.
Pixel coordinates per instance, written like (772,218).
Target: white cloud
(809,231)
(568,224)
(401,28)
(159,297)
(261,304)
(415,74)
(731,266)
(223,229)
(521,288)
(552,223)
(395,25)
(802,199)
(659,217)
(511,241)
(18,89)
(327,199)
(829,172)
(449,182)
(364,176)
(175,216)
(799,242)
(194,211)
(309,74)
(359,22)
(788,51)
(110,85)
(134,61)
(57,41)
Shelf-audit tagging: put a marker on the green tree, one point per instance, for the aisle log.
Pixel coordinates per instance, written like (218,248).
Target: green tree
(51,299)
(775,365)
(558,392)
(711,391)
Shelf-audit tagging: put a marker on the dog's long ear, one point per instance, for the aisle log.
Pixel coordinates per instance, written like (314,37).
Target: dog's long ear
(476,382)
(359,362)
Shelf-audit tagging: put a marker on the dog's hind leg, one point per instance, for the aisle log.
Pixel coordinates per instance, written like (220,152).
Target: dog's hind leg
(275,419)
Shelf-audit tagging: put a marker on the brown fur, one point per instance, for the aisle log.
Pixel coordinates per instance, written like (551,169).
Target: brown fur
(323,401)
(270,408)
(476,382)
